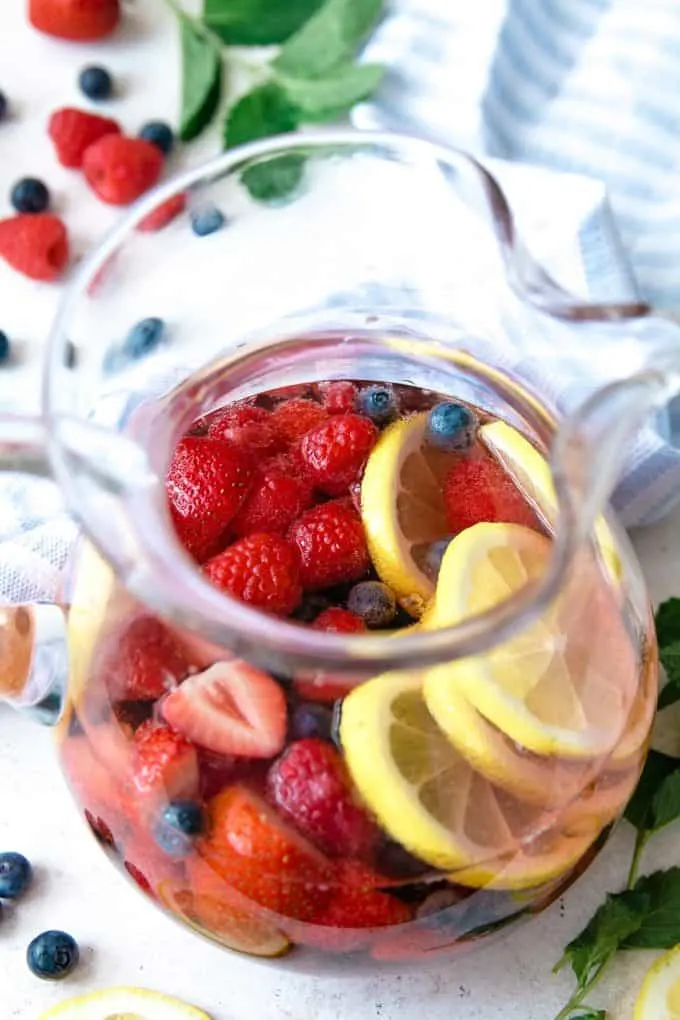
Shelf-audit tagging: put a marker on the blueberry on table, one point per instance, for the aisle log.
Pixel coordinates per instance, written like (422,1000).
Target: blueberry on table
(379,403)
(311,720)
(5,347)
(144,337)
(451,427)
(52,955)
(179,823)
(4,105)
(207,220)
(96,83)
(30,195)
(15,875)
(159,134)
(374,602)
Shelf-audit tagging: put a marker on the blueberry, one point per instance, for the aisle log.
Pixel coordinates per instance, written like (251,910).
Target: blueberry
(3,105)
(15,875)
(206,220)
(70,354)
(96,83)
(159,134)
(451,427)
(379,403)
(52,955)
(30,195)
(374,602)
(180,821)
(144,337)
(5,347)
(435,555)
(396,862)
(310,720)
(310,607)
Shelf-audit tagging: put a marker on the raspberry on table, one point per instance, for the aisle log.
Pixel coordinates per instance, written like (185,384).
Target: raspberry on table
(336,451)
(293,418)
(332,545)
(35,244)
(73,131)
(119,170)
(74,19)
(262,570)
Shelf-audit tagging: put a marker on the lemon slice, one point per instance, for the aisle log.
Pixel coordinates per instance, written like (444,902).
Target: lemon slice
(553,688)
(92,590)
(659,997)
(403,510)
(531,473)
(124,1004)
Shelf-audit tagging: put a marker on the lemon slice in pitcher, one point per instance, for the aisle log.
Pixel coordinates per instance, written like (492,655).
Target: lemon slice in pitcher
(544,688)
(124,1004)
(402,508)
(659,997)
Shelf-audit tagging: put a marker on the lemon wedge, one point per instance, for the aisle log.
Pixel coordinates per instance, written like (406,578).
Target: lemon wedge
(532,475)
(402,508)
(92,589)
(124,1004)
(554,688)
(659,997)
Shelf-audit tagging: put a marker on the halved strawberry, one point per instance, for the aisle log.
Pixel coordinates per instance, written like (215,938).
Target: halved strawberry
(230,708)
(164,764)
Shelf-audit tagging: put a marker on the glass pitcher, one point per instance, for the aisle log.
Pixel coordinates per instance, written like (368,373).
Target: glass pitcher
(391,713)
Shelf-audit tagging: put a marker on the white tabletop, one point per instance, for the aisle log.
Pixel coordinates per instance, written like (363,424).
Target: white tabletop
(124,940)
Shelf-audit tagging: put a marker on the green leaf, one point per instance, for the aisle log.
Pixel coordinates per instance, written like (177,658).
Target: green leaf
(669,694)
(331,37)
(670,660)
(641,808)
(263,112)
(667,620)
(665,806)
(334,94)
(660,927)
(257,22)
(201,79)
(617,919)
(589,1014)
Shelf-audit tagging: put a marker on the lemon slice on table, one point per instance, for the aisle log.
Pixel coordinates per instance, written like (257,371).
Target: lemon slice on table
(531,473)
(659,997)
(402,508)
(124,1004)
(429,798)
(545,688)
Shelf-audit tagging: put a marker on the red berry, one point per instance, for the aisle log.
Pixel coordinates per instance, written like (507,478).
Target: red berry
(164,764)
(478,489)
(262,570)
(293,418)
(140,661)
(339,621)
(245,425)
(231,709)
(96,787)
(79,20)
(337,450)
(351,909)
(206,483)
(337,397)
(163,214)
(35,244)
(332,545)
(277,498)
(310,785)
(120,169)
(73,131)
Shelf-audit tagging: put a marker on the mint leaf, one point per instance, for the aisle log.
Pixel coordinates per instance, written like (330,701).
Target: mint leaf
(201,79)
(617,919)
(660,922)
(331,37)
(665,807)
(667,620)
(257,22)
(589,1014)
(335,93)
(670,692)
(641,810)
(263,112)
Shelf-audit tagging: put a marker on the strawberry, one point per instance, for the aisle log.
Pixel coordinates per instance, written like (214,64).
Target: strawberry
(79,20)
(332,545)
(262,858)
(120,169)
(215,904)
(73,131)
(96,789)
(293,418)
(478,489)
(35,244)
(164,214)
(336,620)
(262,570)
(336,451)
(350,910)
(310,785)
(164,764)
(245,425)
(140,661)
(338,397)
(206,483)
(231,708)
(277,498)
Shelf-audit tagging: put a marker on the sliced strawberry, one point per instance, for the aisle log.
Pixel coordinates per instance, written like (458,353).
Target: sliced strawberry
(231,708)
(164,764)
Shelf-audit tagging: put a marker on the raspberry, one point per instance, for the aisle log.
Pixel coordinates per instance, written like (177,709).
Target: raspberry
(79,20)
(35,244)
(330,687)
(337,397)
(293,418)
(276,499)
(120,169)
(163,214)
(141,661)
(478,489)
(339,621)
(73,131)
(206,483)
(245,425)
(337,450)
(310,785)
(332,545)
(262,570)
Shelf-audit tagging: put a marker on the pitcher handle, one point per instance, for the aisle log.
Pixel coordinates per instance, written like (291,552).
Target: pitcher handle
(33,637)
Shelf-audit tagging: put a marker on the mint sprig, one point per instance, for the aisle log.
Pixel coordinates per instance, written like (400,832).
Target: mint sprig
(312,76)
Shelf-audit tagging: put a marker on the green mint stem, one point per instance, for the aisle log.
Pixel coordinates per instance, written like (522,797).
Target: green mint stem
(257,69)
(641,840)
(577,997)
